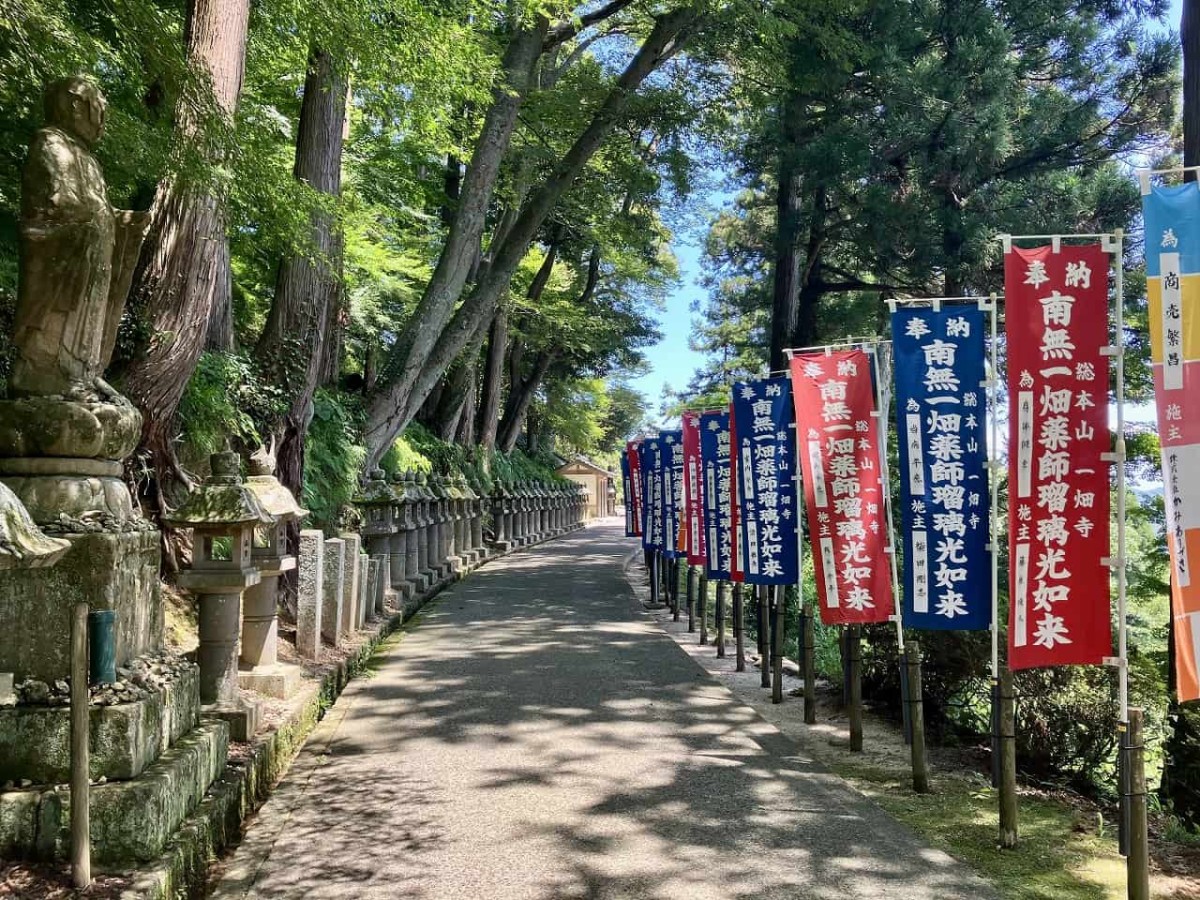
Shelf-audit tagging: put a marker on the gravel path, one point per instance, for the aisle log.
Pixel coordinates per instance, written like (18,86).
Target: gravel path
(538,736)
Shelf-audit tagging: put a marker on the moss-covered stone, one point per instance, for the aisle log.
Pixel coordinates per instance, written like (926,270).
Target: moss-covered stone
(124,740)
(116,571)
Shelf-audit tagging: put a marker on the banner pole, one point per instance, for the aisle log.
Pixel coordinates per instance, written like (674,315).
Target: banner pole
(885,478)
(992,386)
(1116,247)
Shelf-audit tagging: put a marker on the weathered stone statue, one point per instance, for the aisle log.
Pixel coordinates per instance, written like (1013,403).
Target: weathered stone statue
(77,254)
(63,430)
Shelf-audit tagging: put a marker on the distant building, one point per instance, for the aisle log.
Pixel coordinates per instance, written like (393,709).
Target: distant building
(601,485)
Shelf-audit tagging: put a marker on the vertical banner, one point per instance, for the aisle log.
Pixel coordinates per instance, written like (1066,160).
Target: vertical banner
(694,489)
(766,486)
(716,490)
(1172,216)
(671,480)
(1056,324)
(634,515)
(627,491)
(650,468)
(941,415)
(843,489)
(737,564)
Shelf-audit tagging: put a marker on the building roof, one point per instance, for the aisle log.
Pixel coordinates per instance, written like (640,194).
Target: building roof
(588,464)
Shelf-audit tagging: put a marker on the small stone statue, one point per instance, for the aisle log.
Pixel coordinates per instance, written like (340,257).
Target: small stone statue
(77,254)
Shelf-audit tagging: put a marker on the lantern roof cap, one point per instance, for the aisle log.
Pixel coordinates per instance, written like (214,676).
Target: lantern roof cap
(222,499)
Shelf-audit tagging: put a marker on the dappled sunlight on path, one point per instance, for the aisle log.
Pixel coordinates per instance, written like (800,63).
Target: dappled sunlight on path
(537,736)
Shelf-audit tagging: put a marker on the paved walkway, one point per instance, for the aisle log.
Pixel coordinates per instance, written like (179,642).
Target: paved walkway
(537,736)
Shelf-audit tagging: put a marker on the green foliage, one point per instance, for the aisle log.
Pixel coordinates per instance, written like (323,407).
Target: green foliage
(334,457)
(223,400)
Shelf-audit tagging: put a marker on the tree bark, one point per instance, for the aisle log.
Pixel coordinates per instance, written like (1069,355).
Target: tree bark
(493,376)
(395,406)
(301,324)
(1189,28)
(519,397)
(786,298)
(185,259)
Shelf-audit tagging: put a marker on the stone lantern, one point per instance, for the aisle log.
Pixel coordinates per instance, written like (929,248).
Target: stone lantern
(259,666)
(517,527)
(499,501)
(427,530)
(610,499)
(478,505)
(223,514)
(467,548)
(556,508)
(544,509)
(377,501)
(447,501)
(409,500)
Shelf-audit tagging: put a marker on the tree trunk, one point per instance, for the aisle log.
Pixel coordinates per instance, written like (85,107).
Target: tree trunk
(785,304)
(301,324)
(1189,28)
(185,259)
(220,320)
(808,301)
(392,408)
(395,406)
(519,397)
(465,437)
(445,417)
(493,376)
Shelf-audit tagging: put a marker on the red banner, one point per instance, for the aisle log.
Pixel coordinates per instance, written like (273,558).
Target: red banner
(1056,322)
(736,569)
(635,485)
(697,554)
(843,489)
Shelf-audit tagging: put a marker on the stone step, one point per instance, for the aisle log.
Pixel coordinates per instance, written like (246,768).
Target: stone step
(125,738)
(131,820)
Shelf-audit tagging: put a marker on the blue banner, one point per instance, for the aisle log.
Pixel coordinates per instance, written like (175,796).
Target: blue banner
(652,501)
(768,510)
(714,473)
(672,488)
(941,410)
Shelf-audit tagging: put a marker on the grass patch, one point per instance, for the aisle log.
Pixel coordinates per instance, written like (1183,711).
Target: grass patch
(1060,856)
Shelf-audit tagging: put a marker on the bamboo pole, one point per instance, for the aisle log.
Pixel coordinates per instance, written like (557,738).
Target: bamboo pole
(916,716)
(764,633)
(739,626)
(810,666)
(1008,761)
(691,598)
(1138,861)
(854,666)
(777,644)
(81,843)
(722,590)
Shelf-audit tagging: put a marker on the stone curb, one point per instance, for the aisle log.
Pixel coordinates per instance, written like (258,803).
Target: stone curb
(243,787)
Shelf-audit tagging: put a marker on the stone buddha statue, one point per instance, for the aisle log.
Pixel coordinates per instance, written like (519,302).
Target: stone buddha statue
(77,254)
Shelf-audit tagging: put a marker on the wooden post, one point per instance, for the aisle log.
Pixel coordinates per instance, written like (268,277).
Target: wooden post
(691,598)
(916,716)
(722,588)
(1138,861)
(854,670)
(777,644)
(655,580)
(673,575)
(810,666)
(702,601)
(764,633)
(739,626)
(1008,761)
(81,817)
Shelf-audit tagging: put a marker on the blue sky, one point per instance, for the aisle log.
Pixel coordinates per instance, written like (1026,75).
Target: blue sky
(671,361)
